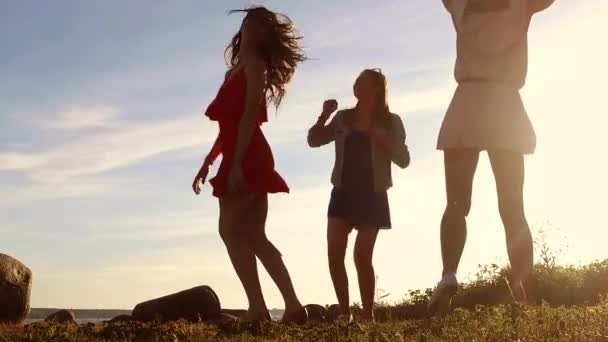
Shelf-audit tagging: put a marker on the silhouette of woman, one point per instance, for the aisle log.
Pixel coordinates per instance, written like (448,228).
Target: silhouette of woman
(263,57)
(368,138)
(487,113)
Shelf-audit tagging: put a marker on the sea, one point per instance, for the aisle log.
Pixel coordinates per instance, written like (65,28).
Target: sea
(78,320)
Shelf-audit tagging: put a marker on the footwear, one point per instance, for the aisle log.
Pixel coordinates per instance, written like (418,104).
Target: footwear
(441,300)
(297,317)
(518,292)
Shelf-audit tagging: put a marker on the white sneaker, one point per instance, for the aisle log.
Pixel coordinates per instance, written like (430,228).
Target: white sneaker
(441,299)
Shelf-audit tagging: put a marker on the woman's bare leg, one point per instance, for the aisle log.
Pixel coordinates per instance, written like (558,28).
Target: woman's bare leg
(337,241)
(270,256)
(460,166)
(364,252)
(508,168)
(232,224)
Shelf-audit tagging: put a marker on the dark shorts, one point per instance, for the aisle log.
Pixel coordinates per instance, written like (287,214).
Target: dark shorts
(360,208)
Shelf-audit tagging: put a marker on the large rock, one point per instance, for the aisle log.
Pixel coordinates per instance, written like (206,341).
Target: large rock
(333,312)
(62,316)
(317,313)
(15,289)
(197,304)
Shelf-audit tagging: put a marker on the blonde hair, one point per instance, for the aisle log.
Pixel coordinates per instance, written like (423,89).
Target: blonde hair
(381,108)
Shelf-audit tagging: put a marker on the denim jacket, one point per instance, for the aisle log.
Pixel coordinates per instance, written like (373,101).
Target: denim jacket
(338,130)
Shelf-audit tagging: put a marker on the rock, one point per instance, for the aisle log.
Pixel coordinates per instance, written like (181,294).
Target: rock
(121,319)
(333,312)
(316,313)
(15,290)
(196,304)
(62,316)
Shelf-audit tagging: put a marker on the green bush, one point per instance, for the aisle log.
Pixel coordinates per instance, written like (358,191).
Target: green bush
(550,284)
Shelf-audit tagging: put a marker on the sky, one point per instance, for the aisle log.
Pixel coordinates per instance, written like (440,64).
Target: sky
(102,132)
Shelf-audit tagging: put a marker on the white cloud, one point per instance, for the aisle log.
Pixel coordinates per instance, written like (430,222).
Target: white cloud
(13,161)
(163,226)
(399,20)
(123,145)
(79,117)
(20,194)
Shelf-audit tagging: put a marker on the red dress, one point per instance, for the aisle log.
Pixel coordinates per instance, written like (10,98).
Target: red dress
(258,164)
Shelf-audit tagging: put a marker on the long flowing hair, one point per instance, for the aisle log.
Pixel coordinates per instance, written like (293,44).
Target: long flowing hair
(280,50)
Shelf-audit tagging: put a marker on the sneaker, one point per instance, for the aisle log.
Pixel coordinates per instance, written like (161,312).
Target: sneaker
(518,292)
(441,300)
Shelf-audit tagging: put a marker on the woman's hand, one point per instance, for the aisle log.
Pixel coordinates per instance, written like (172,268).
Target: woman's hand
(329,106)
(236,180)
(200,178)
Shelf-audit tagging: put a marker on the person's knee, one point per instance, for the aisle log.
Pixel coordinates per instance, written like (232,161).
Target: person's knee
(336,246)
(512,216)
(335,254)
(458,210)
(227,233)
(262,246)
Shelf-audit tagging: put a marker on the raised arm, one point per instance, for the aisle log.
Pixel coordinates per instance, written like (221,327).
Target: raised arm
(540,5)
(393,142)
(321,134)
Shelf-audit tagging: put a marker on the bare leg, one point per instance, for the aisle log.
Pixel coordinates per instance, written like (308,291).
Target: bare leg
(233,215)
(364,251)
(508,168)
(270,256)
(337,240)
(460,166)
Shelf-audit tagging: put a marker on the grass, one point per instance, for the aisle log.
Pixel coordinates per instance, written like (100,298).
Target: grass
(497,323)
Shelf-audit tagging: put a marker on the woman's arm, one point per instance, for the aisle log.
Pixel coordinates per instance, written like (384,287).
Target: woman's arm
(540,5)
(254,96)
(320,134)
(393,142)
(216,150)
(201,175)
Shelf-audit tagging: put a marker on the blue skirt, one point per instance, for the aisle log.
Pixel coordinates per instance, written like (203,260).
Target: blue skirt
(360,208)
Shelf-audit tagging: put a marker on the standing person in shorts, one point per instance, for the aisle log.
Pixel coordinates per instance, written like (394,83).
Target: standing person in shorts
(368,139)
(487,114)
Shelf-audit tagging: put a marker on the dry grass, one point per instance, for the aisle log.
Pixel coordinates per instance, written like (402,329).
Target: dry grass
(500,323)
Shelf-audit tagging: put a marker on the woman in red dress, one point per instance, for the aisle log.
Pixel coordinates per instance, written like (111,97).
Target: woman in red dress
(262,56)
